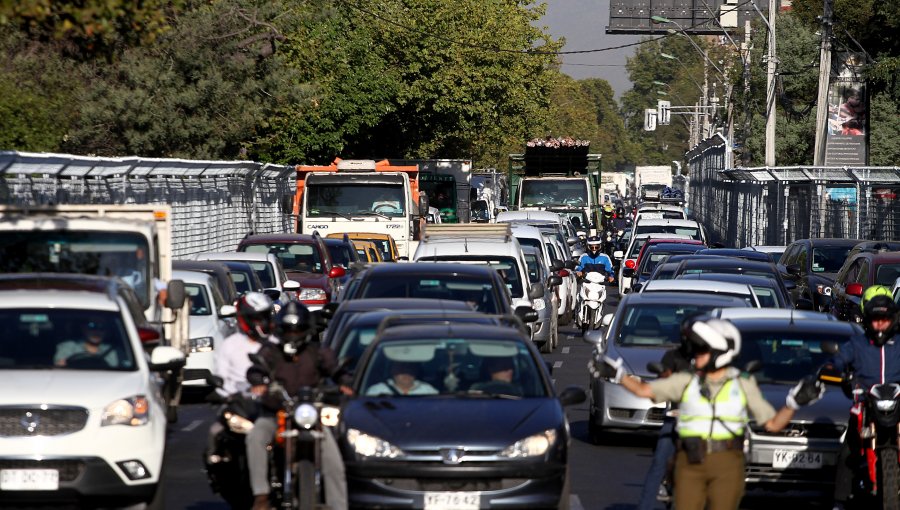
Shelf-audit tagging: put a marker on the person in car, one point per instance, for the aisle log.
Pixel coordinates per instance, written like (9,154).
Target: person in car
(90,346)
(867,360)
(502,372)
(403,381)
(296,362)
(715,405)
(594,257)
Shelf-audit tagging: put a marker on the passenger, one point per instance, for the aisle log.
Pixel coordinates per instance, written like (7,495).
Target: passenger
(403,381)
(90,346)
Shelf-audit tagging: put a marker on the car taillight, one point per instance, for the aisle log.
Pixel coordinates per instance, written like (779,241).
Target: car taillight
(629,264)
(563,273)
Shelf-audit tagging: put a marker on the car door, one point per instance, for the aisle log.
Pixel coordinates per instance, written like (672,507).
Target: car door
(839,297)
(802,261)
(791,280)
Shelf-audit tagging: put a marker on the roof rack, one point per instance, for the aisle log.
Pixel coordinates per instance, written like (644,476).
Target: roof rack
(446,318)
(467,231)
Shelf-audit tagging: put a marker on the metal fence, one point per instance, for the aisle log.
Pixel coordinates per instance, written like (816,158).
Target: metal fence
(777,205)
(214,203)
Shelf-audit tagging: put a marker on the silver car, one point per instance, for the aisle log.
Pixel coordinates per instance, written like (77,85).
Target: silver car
(644,326)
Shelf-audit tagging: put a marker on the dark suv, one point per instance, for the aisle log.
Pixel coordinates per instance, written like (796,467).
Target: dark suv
(862,269)
(306,260)
(810,267)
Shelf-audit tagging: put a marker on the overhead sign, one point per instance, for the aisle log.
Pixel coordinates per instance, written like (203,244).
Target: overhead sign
(649,119)
(696,17)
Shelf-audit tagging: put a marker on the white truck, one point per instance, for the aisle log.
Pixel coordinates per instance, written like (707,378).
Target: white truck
(132,242)
(649,181)
(615,182)
(361,196)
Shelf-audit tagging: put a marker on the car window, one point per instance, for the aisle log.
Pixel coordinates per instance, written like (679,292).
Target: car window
(218,298)
(829,259)
(766,296)
(863,275)
(474,290)
(242,282)
(293,257)
(64,339)
(198,299)
(340,254)
(464,368)
(265,273)
(507,267)
(655,324)
(790,255)
(802,260)
(786,356)
(887,274)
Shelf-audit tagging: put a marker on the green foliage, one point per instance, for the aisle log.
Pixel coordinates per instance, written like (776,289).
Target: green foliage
(612,140)
(884,124)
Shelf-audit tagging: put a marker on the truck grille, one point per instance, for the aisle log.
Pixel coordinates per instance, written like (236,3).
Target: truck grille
(35,421)
(69,469)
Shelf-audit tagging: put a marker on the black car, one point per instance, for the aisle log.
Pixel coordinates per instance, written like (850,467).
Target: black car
(861,270)
(736,253)
(811,265)
(461,437)
(770,292)
(348,309)
(653,256)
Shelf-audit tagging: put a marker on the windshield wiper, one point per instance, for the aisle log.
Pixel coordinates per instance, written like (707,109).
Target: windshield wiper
(372,213)
(334,213)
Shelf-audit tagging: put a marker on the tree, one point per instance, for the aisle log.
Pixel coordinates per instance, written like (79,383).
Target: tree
(612,140)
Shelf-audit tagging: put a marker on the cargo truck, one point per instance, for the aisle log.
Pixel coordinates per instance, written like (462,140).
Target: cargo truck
(446,183)
(649,181)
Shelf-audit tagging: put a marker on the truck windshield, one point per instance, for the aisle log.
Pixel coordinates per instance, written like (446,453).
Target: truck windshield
(554,192)
(99,253)
(323,200)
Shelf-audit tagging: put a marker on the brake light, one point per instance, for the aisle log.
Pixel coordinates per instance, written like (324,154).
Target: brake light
(629,264)
(148,335)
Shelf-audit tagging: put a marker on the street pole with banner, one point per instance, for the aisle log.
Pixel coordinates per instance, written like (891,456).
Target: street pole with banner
(846,130)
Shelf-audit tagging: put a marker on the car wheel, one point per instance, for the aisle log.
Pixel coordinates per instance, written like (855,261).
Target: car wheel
(547,346)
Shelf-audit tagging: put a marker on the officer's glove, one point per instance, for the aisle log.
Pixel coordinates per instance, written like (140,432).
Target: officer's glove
(808,391)
(604,366)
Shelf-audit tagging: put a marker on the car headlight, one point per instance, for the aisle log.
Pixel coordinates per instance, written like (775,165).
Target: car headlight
(885,405)
(237,423)
(330,416)
(133,411)
(538,304)
(531,446)
(824,290)
(306,415)
(370,446)
(311,293)
(202,344)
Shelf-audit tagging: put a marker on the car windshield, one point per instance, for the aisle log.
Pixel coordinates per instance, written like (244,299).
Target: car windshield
(508,268)
(265,273)
(787,356)
(479,292)
(829,259)
(64,339)
(198,299)
(452,367)
(887,274)
(656,324)
(347,199)
(384,246)
(692,232)
(554,192)
(304,258)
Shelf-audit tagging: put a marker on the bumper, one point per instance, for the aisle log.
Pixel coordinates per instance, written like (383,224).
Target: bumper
(197,367)
(614,407)
(85,481)
(760,470)
(535,485)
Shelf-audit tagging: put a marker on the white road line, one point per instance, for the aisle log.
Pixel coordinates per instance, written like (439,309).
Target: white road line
(575,503)
(570,338)
(194,424)
(565,350)
(557,364)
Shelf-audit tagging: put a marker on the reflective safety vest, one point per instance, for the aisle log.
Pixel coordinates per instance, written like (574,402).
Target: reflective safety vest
(695,415)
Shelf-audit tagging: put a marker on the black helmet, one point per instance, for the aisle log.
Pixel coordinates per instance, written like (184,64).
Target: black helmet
(294,326)
(254,315)
(880,307)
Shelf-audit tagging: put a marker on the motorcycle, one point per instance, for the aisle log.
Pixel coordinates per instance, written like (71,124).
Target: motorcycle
(592,296)
(226,460)
(878,426)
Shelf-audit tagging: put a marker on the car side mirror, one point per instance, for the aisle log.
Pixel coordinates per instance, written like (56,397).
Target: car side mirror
(291,285)
(274,294)
(572,241)
(570,264)
(554,281)
(556,266)
(793,269)
(805,304)
(227,311)
(175,294)
(572,395)
(537,291)
(526,313)
(337,272)
(166,358)
(593,336)
(606,320)
(855,289)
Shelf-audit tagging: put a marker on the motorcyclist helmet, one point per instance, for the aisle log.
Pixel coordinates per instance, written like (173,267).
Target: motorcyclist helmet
(594,243)
(871,292)
(294,327)
(254,315)
(880,307)
(718,337)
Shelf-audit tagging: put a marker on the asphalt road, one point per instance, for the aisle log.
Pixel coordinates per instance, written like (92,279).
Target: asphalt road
(607,477)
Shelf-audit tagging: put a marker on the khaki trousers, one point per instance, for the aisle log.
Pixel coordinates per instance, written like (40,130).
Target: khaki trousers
(717,482)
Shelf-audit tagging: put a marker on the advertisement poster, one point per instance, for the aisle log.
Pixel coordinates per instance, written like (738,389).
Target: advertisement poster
(847,140)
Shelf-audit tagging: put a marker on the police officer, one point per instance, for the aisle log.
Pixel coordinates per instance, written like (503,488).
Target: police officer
(714,407)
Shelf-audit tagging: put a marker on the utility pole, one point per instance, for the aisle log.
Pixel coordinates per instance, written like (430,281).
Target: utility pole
(824,78)
(745,154)
(705,101)
(770,87)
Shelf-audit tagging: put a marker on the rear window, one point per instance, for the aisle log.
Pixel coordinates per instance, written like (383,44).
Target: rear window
(293,257)
(657,324)
(478,292)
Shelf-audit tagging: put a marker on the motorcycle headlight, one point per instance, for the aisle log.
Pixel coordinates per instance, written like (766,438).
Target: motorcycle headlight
(531,446)
(202,344)
(306,415)
(538,304)
(237,423)
(311,293)
(370,446)
(824,290)
(885,405)
(133,411)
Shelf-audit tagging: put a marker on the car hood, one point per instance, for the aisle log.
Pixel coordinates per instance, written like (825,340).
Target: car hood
(202,325)
(834,407)
(636,358)
(308,279)
(86,388)
(424,422)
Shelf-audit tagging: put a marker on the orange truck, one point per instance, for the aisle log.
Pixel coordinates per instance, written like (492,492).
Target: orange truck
(361,195)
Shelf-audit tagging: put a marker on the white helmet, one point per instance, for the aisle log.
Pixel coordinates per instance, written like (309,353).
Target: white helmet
(721,338)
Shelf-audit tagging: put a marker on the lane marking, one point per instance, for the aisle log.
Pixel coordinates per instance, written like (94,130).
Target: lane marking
(575,503)
(570,338)
(557,364)
(565,350)
(194,424)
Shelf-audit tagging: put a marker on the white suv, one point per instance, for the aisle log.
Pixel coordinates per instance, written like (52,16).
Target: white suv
(82,418)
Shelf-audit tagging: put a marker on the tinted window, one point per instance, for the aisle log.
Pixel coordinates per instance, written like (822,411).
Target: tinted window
(200,304)
(477,291)
(692,232)
(242,282)
(829,259)
(340,254)
(787,356)
(293,257)
(534,268)
(887,274)
(507,267)
(655,324)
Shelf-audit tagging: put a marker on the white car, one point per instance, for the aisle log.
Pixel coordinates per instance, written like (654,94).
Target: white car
(552,254)
(266,266)
(738,290)
(212,320)
(79,428)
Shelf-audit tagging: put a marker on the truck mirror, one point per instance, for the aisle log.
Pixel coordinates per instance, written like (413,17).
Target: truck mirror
(175,294)
(423,204)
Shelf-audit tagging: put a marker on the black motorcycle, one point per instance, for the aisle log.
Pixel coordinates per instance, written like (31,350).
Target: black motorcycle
(226,462)
(879,437)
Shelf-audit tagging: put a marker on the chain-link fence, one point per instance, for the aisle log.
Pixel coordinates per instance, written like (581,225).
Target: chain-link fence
(214,203)
(775,206)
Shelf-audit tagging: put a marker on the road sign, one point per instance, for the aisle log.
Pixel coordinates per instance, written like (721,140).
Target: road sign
(649,119)
(664,112)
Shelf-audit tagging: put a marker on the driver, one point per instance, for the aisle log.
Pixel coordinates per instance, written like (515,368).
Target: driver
(594,257)
(89,346)
(502,370)
(871,359)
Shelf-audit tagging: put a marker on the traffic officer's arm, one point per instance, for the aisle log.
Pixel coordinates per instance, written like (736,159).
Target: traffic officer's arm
(637,386)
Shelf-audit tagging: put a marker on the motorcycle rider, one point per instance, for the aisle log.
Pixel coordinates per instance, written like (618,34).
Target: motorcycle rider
(714,407)
(869,360)
(296,362)
(594,257)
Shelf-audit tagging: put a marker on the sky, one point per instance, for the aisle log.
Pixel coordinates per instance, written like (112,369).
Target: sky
(583,24)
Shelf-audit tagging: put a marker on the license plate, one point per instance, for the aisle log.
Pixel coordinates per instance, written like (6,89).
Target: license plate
(452,500)
(793,459)
(29,479)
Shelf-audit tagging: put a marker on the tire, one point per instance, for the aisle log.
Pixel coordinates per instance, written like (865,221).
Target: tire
(307,496)
(546,347)
(890,479)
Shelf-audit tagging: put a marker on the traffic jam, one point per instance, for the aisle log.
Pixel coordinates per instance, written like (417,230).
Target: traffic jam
(452,339)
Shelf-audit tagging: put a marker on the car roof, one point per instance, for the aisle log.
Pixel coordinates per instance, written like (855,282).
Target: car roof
(279,238)
(468,331)
(193,277)
(238,256)
(715,300)
(43,290)
(835,241)
(368,235)
(717,261)
(784,325)
(696,286)
(505,216)
(525,230)
(889,256)
(336,242)
(746,279)
(765,248)
(653,222)
(771,313)
(675,240)
(430,268)
(369,304)
(660,235)
(736,253)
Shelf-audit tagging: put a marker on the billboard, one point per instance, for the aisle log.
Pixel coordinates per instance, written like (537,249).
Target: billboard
(694,16)
(846,142)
